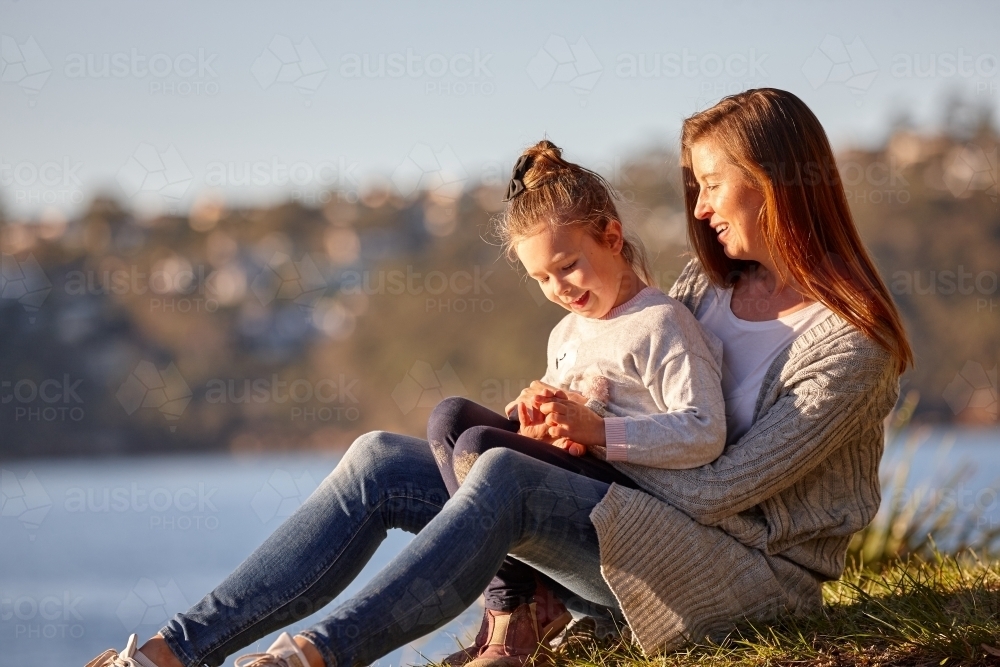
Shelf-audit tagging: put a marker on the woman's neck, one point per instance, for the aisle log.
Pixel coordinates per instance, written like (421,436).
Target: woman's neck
(762,294)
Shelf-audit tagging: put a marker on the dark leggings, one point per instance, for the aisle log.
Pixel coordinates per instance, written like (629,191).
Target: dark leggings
(459,431)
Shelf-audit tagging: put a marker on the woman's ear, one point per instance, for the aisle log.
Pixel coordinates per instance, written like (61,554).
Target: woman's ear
(614,237)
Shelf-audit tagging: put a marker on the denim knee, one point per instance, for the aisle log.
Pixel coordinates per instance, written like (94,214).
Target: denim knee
(497,468)
(372,450)
(381,455)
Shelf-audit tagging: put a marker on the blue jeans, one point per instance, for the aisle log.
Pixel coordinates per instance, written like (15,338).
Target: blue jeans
(459,432)
(509,503)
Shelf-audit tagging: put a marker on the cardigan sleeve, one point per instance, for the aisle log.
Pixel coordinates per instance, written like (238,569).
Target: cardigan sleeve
(687,284)
(850,385)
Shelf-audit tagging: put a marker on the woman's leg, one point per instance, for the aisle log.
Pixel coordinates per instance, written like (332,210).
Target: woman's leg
(509,503)
(459,431)
(515,582)
(479,439)
(384,481)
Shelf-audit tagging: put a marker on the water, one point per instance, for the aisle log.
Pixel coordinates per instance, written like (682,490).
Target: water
(80,579)
(77,579)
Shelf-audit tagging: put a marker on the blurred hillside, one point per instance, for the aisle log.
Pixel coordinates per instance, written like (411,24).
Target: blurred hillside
(303,327)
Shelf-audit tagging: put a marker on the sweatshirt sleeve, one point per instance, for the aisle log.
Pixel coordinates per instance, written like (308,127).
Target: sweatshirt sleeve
(849,384)
(690,428)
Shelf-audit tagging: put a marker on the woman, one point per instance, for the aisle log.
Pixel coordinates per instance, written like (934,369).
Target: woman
(813,348)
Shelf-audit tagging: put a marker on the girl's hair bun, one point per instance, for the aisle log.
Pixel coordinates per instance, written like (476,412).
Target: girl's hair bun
(546,161)
(557,193)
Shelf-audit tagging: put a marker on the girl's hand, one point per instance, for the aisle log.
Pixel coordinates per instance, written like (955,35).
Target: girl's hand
(571,447)
(539,431)
(530,396)
(568,419)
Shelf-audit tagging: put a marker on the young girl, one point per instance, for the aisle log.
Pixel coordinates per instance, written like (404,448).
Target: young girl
(632,379)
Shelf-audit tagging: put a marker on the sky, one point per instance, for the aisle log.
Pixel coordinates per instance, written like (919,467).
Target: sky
(166,104)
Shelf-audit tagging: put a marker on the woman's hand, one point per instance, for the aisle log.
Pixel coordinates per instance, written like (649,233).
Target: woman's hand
(568,419)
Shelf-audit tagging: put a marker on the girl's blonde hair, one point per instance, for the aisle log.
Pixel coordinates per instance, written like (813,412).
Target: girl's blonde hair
(561,193)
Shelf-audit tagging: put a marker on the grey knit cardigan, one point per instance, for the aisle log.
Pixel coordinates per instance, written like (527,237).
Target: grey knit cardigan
(755,532)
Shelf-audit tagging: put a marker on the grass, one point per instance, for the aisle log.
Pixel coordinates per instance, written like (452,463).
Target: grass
(940,611)
(900,601)
(915,519)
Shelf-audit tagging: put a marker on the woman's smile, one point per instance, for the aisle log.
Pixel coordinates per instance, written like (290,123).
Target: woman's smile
(721,232)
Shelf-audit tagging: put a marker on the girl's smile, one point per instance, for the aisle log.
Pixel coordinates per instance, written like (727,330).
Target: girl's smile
(578,272)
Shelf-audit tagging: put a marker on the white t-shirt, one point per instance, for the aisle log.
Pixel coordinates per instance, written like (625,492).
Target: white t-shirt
(748,348)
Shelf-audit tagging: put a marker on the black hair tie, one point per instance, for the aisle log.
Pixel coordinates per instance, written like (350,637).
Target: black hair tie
(516,185)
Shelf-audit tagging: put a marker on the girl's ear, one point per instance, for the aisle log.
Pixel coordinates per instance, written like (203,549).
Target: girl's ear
(614,237)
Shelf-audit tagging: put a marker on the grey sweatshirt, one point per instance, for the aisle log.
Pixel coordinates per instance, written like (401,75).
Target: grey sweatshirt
(756,531)
(661,371)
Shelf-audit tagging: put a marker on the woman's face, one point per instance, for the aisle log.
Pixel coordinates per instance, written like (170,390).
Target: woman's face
(573,270)
(728,203)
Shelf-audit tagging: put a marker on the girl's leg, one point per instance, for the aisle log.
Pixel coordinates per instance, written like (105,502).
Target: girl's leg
(448,421)
(515,583)
(384,481)
(478,439)
(509,503)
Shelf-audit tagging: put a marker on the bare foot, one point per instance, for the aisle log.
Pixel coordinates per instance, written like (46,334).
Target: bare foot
(156,649)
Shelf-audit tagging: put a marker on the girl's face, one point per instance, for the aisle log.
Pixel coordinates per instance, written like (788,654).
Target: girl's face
(728,202)
(574,270)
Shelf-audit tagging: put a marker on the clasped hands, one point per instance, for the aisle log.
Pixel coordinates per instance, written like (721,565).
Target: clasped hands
(558,417)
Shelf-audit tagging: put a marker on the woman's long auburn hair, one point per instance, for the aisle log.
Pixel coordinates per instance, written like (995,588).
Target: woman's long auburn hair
(805,222)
